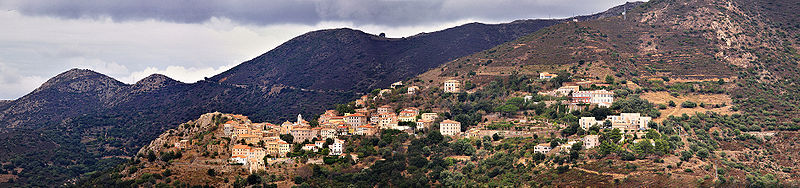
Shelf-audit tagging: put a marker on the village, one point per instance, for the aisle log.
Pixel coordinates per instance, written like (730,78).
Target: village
(256,145)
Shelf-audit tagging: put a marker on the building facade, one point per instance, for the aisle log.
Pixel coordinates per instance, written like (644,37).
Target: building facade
(452,86)
(450,127)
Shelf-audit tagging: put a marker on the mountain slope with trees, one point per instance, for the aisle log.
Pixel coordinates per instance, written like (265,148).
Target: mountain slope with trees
(82,121)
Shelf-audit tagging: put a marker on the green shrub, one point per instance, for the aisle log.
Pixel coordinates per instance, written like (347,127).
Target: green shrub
(688,104)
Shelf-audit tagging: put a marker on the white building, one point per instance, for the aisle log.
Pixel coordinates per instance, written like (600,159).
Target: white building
(240,159)
(452,86)
(384,109)
(429,116)
(408,115)
(542,148)
(412,90)
(590,141)
(337,147)
(450,127)
(327,133)
(630,121)
(355,120)
(561,91)
(624,122)
(546,76)
(309,147)
(599,97)
(397,84)
(587,122)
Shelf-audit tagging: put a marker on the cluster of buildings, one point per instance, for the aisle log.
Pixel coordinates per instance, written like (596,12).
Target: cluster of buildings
(602,98)
(589,141)
(626,122)
(629,123)
(254,141)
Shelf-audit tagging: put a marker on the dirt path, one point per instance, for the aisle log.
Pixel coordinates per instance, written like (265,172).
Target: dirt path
(614,175)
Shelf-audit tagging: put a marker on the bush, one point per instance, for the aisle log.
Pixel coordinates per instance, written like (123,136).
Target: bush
(253,179)
(688,104)
(211,172)
(686,155)
(562,169)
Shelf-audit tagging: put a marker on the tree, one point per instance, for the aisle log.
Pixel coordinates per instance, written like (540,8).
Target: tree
(688,104)
(496,137)
(253,179)
(634,104)
(345,108)
(211,172)
(516,101)
(287,137)
(507,109)
(643,147)
(463,147)
(554,143)
(702,153)
(609,79)
(600,112)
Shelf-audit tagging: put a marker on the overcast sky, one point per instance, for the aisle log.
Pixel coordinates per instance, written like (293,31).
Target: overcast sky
(191,39)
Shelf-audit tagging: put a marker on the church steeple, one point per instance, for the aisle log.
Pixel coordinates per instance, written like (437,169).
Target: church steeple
(299,118)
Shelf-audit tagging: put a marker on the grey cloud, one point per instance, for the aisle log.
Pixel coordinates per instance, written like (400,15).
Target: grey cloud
(375,12)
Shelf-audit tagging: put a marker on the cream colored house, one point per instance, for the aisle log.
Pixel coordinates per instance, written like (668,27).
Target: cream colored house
(429,116)
(452,86)
(542,148)
(590,141)
(546,76)
(587,122)
(450,127)
(412,90)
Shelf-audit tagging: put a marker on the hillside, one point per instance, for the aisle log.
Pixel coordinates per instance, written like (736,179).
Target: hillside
(82,121)
(717,77)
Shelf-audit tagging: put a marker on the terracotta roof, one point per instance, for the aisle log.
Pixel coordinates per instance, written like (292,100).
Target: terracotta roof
(544,144)
(241,147)
(450,121)
(238,156)
(356,114)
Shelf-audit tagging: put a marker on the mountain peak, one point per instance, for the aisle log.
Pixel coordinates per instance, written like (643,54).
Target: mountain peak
(80,80)
(155,81)
(156,78)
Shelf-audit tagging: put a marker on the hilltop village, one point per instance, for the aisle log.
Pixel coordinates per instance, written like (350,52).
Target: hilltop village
(261,146)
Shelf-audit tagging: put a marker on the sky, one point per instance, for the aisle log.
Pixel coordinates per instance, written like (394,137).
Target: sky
(188,40)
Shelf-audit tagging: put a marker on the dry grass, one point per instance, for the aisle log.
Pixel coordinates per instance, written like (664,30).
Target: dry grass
(663,97)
